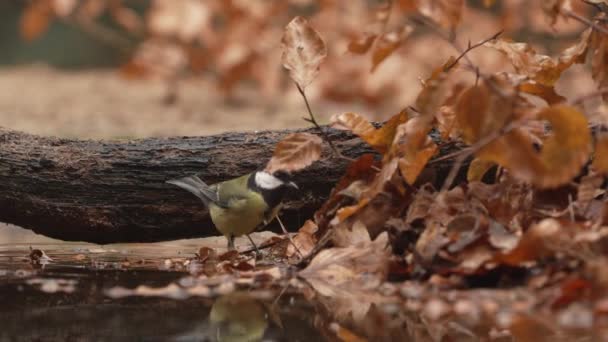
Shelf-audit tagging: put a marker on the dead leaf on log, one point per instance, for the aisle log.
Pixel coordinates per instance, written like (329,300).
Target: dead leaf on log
(296,151)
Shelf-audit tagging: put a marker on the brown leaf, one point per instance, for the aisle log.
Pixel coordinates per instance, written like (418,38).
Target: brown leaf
(480,111)
(477,169)
(434,89)
(541,68)
(413,147)
(303,51)
(380,139)
(563,154)
(379,18)
(598,52)
(542,239)
(553,8)
(296,151)
(600,155)
(376,187)
(547,93)
(304,240)
(337,269)
(36,19)
(387,43)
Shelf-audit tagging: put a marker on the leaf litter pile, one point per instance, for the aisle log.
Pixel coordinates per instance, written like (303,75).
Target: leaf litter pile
(481,214)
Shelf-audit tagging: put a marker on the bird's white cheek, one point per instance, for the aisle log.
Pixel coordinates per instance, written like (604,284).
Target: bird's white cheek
(267,181)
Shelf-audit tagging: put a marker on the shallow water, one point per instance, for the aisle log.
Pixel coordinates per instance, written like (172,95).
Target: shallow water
(67,299)
(154,292)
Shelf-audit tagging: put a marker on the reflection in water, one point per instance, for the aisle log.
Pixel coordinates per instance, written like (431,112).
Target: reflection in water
(67,300)
(238,317)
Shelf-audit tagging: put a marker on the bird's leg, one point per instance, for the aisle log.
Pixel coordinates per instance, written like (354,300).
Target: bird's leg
(230,242)
(253,244)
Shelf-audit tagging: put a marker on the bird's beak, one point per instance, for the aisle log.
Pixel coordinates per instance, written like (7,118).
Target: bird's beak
(293,185)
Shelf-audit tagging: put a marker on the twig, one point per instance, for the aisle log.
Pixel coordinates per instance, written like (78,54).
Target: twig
(594,5)
(323,241)
(268,245)
(472,47)
(474,148)
(584,20)
(313,121)
(289,236)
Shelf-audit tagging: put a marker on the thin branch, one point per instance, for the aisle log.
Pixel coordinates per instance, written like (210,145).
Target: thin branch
(472,47)
(323,241)
(289,237)
(483,142)
(313,121)
(584,20)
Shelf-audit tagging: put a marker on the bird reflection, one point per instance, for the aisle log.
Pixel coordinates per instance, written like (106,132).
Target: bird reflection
(238,317)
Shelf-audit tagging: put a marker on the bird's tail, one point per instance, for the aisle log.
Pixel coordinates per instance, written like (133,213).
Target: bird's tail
(196,186)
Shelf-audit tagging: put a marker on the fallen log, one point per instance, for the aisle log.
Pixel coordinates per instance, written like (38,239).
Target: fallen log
(115,191)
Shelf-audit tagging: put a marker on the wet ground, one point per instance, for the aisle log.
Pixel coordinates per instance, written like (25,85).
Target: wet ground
(66,296)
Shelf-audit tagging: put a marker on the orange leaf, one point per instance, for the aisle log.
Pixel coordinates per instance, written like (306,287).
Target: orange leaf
(375,188)
(36,19)
(546,93)
(413,147)
(303,51)
(563,154)
(477,169)
(480,112)
(304,240)
(434,89)
(380,139)
(600,156)
(296,151)
(543,69)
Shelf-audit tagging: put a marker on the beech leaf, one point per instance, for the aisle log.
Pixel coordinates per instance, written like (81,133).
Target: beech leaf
(296,151)
(303,51)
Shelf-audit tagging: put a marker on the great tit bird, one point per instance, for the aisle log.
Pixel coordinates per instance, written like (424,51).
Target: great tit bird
(241,205)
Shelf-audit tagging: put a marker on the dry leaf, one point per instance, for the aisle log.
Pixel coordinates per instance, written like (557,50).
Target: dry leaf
(35,20)
(541,68)
(387,43)
(380,16)
(296,151)
(337,269)
(304,240)
(600,155)
(413,147)
(477,169)
(380,139)
(303,51)
(563,154)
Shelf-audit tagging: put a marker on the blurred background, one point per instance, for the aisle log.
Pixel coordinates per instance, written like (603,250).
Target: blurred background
(122,69)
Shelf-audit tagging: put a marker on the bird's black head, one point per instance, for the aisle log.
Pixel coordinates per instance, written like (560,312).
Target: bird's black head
(272,186)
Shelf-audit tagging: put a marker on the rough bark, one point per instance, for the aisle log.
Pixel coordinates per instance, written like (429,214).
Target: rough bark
(115,191)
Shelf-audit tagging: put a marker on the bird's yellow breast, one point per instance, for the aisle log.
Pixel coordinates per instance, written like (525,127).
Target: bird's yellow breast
(242,216)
